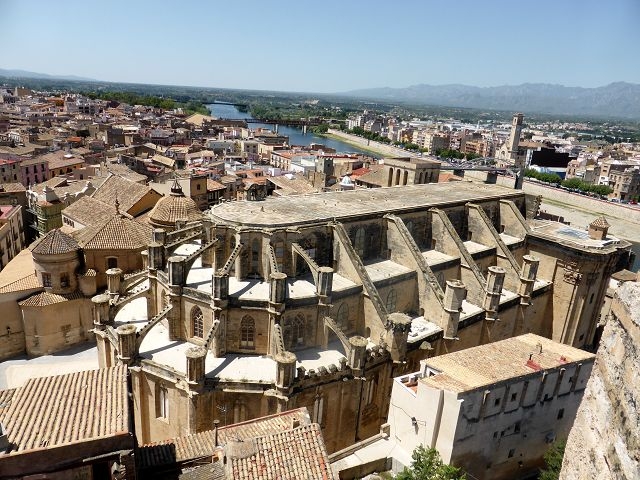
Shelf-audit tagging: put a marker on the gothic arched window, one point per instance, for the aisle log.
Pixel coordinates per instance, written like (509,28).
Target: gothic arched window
(359,242)
(392,297)
(247,332)
(343,316)
(197,323)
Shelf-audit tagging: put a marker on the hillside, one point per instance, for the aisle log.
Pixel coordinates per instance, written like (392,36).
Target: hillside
(616,100)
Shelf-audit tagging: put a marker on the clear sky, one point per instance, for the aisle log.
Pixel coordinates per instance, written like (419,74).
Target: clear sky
(325,46)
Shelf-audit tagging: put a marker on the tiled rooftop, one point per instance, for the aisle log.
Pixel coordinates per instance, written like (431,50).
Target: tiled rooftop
(202,444)
(477,367)
(89,211)
(53,243)
(48,411)
(128,193)
(43,299)
(266,448)
(118,232)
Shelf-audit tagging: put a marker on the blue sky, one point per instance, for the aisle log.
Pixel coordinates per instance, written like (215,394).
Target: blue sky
(327,46)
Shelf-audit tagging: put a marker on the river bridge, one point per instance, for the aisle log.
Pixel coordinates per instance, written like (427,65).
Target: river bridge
(286,122)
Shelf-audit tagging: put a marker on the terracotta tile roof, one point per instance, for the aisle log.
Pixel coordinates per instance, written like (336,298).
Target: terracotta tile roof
(30,282)
(199,445)
(127,192)
(5,399)
(125,172)
(12,187)
(89,211)
(64,409)
(292,186)
(44,299)
(213,185)
(89,273)
(210,471)
(600,222)
(118,232)
(297,454)
(53,243)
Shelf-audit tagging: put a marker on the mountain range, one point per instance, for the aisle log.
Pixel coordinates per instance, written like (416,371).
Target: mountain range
(616,100)
(25,74)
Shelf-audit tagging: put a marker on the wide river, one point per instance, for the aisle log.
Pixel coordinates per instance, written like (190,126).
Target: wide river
(296,137)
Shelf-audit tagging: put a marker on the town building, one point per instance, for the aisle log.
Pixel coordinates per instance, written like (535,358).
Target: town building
(625,185)
(492,410)
(319,300)
(243,451)
(12,239)
(46,291)
(68,426)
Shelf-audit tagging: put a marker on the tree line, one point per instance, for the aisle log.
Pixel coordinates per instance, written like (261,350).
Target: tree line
(570,183)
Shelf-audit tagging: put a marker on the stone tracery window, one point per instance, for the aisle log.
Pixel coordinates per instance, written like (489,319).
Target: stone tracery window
(294,330)
(197,322)
(247,332)
(392,298)
(359,242)
(343,315)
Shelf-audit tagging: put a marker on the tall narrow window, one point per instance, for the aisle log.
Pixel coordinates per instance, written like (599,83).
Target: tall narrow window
(197,324)
(359,242)
(318,409)
(162,402)
(64,280)
(370,391)
(392,297)
(298,330)
(343,316)
(239,411)
(46,279)
(247,332)
(255,257)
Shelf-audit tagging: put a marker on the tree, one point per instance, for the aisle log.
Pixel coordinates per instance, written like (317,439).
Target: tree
(427,465)
(553,461)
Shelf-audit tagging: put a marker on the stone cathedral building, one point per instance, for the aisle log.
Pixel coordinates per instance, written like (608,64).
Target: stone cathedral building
(320,300)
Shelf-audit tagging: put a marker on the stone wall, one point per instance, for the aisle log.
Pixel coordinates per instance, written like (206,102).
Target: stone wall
(604,441)
(383,148)
(610,209)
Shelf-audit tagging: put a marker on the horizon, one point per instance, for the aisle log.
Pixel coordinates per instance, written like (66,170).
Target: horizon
(97,80)
(328,49)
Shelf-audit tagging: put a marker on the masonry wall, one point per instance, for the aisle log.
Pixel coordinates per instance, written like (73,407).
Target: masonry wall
(604,441)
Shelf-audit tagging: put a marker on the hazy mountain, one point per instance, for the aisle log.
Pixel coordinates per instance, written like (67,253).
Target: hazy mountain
(618,99)
(45,76)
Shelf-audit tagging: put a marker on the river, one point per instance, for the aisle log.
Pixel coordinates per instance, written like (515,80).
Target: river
(296,137)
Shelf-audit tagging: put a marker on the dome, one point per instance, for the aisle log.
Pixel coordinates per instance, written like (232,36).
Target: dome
(174,207)
(54,242)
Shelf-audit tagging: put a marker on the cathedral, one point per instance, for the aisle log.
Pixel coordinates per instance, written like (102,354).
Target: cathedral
(320,300)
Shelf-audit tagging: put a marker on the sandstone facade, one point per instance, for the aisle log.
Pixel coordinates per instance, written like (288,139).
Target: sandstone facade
(604,441)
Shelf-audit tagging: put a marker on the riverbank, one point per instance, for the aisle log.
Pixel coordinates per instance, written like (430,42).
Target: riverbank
(381,149)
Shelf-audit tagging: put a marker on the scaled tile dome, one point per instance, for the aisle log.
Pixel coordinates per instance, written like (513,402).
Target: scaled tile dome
(174,207)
